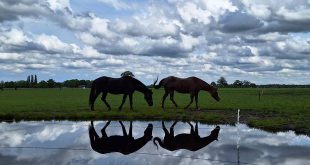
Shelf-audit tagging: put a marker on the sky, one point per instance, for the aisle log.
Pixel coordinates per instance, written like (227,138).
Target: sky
(257,40)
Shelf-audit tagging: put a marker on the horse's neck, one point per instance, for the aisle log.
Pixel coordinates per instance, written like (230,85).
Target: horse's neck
(139,143)
(206,140)
(206,87)
(140,87)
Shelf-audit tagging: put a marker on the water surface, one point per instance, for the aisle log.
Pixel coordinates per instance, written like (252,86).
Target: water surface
(66,142)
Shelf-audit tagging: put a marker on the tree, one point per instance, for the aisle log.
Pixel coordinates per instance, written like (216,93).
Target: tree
(253,85)
(28,81)
(51,83)
(237,83)
(2,85)
(31,81)
(35,79)
(246,83)
(9,84)
(21,84)
(221,82)
(213,84)
(74,83)
(42,84)
(127,73)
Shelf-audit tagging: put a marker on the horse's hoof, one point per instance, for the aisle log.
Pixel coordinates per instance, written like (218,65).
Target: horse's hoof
(119,109)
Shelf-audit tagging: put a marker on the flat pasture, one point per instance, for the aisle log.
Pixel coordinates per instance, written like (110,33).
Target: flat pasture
(278,108)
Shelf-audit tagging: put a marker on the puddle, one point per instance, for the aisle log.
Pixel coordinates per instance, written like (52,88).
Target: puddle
(66,142)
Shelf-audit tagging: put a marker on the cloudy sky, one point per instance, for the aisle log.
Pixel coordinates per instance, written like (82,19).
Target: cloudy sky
(258,40)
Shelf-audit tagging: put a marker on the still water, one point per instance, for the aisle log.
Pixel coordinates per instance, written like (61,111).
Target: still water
(103,142)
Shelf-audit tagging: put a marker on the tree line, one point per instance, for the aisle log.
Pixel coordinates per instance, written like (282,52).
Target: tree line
(32,82)
(222,83)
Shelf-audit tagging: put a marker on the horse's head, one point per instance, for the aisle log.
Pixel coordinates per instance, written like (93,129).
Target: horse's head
(215,132)
(215,94)
(148,97)
(149,131)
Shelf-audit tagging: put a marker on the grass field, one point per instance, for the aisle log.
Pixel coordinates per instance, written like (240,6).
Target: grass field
(279,109)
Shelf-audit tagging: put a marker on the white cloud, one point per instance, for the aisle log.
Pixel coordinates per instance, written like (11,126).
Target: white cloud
(78,64)
(13,37)
(119,5)
(53,44)
(10,56)
(59,4)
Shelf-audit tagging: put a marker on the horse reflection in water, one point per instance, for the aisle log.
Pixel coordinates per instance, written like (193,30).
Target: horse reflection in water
(125,144)
(192,141)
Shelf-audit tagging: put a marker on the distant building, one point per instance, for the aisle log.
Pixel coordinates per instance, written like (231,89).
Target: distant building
(82,86)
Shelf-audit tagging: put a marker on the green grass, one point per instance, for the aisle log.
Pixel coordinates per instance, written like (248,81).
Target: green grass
(289,108)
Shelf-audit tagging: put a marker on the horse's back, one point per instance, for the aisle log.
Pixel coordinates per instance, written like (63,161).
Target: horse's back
(115,85)
(182,85)
(186,141)
(188,79)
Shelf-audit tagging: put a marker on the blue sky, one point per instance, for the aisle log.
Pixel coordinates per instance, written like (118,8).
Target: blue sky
(261,41)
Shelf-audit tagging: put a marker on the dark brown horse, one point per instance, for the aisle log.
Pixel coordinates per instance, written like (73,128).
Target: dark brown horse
(192,141)
(191,85)
(125,85)
(125,144)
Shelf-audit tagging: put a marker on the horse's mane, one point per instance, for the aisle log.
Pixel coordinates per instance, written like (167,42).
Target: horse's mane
(139,83)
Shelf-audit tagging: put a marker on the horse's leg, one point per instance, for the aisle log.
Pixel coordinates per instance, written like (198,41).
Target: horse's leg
(164,128)
(123,101)
(192,128)
(164,98)
(130,101)
(104,134)
(123,128)
(96,95)
(172,128)
(172,99)
(93,132)
(196,129)
(196,100)
(103,98)
(130,129)
(192,97)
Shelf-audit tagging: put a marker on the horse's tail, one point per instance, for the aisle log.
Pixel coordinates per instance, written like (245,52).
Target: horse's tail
(158,140)
(159,84)
(92,94)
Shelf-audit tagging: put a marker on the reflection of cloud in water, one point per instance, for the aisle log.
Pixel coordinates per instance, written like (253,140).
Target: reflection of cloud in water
(256,146)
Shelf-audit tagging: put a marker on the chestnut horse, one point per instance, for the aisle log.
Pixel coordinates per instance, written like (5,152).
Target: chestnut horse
(191,85)
(191,141)
(125,85)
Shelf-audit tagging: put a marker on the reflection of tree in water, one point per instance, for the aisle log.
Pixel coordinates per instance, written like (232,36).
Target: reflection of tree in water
(125,144)
(192,141)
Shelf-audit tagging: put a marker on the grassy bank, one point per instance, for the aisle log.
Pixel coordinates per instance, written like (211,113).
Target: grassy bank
(279,109)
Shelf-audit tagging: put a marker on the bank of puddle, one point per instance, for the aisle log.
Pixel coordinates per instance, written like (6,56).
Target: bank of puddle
(66,142)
